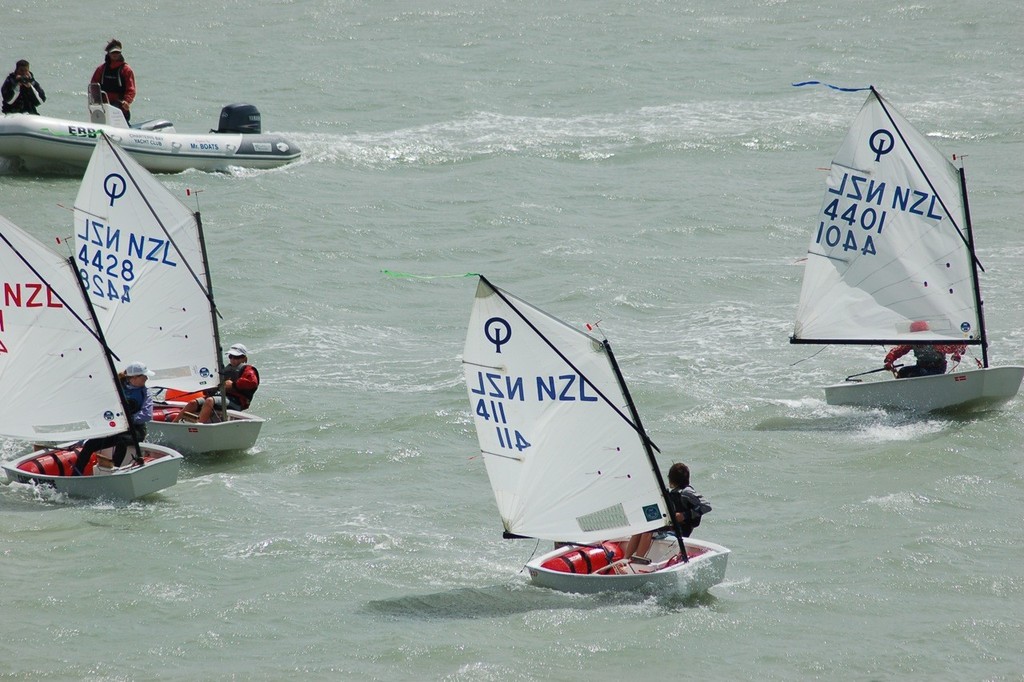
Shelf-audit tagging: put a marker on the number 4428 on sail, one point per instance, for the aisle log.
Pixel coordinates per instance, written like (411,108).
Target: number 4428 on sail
(95,284)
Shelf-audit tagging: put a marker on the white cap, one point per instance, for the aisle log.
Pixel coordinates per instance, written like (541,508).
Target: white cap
(238,350)
(138,369)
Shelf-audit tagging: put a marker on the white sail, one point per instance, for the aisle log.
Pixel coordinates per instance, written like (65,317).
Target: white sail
(564,462)
(54,375)
(890,245)
(139,249)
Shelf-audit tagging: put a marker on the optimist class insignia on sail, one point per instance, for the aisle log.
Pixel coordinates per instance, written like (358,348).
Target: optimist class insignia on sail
(858,213)
(495,389)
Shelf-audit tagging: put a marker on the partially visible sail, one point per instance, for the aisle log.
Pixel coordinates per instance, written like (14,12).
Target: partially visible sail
(565,461)
(890,246)
(139,250)
(54,374)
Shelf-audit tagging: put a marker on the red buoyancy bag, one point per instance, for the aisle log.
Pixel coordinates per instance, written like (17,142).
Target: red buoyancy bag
(585,559)
(52,463)
(165,413)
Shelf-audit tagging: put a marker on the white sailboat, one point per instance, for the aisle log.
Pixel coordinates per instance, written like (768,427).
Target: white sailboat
(58,380)
(892,252)
(143,255)
(567,456)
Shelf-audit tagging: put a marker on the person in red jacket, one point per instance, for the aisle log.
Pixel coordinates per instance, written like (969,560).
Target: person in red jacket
(240,383)
(930,358)
(116,79)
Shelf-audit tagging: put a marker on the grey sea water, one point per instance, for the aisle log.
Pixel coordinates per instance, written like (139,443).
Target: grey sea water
(642,164)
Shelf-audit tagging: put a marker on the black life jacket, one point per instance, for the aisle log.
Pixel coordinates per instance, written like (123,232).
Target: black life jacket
(111,82)
(242,396)
(691,504)
(930,357)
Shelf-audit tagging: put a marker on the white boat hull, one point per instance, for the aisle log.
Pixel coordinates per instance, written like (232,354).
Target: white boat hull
(128,482)
(41,141)
(705,569)
(238,433)
(973,389)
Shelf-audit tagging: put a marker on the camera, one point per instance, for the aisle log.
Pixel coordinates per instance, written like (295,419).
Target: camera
(24,79)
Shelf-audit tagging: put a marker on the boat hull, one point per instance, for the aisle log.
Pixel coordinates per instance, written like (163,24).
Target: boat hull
(238,433)
(705,569)
(159,471)
(970,390)
(41,141)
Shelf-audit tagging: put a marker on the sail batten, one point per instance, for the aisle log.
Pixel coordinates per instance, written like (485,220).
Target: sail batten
(888,248)
(564,461)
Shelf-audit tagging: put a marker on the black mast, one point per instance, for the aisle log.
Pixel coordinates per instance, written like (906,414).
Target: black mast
(974,268)
(647,447)
(213,316)
(107,353)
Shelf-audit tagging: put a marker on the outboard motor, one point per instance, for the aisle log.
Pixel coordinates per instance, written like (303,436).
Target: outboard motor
(239,118)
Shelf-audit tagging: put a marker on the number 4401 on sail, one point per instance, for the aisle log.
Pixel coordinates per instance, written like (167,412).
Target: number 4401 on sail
(868,220)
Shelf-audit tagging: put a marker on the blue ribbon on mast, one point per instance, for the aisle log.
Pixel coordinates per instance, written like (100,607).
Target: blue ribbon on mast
(829,85)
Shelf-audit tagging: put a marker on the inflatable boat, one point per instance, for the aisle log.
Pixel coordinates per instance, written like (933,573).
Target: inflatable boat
(43,143)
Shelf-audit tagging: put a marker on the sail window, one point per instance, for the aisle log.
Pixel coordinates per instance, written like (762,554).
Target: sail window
(60,428)
(603,519)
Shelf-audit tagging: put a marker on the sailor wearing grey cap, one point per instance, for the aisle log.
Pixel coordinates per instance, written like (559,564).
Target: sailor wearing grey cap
(240,383)
(137,369)
(140,411)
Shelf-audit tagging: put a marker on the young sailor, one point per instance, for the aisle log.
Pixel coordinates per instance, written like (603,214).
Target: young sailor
(688,506)
(240,383)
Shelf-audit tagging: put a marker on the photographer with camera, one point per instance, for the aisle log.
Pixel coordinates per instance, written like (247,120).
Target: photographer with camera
(21,92)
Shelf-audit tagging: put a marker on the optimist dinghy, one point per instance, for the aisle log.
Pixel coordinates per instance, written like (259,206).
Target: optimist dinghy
(155,470)
(42,142)
(567,457)
(143,255)
(58,379)
(892,261)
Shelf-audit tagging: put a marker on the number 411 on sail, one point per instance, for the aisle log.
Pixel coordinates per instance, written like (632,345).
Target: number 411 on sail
(506,439)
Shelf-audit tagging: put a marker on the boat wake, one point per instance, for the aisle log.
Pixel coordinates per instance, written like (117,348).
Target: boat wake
(497,601)
(869,425)
(480,135)
(477,602)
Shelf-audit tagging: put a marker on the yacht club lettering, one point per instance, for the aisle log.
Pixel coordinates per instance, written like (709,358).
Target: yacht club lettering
(857,213)
(498,389)
(111,258)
